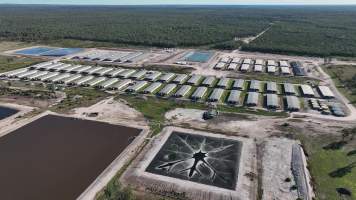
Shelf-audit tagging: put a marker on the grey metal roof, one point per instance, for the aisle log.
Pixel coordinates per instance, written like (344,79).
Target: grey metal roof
(272,100)
(289,88)
(70,69)
(167,89)
(26,74)
(223,82)
(136,86)
(216,94)
(182,91)
(127,73)
(245,67)
(238,84)
(81,69)
(259,62)
(236,60)
(153,87)
(247,61)
(208,81)
(255,85)
(283,63)
(108,82)
(138,74)
(326,92)
(252,98)
(271,69)
(120,85)
(36,75)
(307,90)
(293,103)
(234,97)
(180,78)
(232,66)
(199,92)
(194,80)
(271,63)
(48,67)
(225,60)
(103,71)
(71,78)
(60,77)
(153,75)
(15,72)
(48,76)
(220,65)
(115,72)
(166,77)
(94,82)
(83,80)
(271,86)
(41,65)
(285,70)
(92,70)
(258,68)
(58,68)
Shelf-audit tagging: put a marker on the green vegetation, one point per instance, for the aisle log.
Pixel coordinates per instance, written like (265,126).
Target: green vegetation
(308,30)
(115,191)
(331,164)
(8,63)
(154,109)
(344,77)
(79,97)
(31,93)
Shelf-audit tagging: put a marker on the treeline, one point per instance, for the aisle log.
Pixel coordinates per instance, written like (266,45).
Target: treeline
(312,30)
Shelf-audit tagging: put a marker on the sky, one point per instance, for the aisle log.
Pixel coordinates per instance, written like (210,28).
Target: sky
(168,2)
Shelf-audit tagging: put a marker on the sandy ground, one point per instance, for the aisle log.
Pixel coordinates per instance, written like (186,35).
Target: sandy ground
(112,111)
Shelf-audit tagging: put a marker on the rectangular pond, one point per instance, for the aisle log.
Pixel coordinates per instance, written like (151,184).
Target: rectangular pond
(48,51)
(6,112)
(57,158)
(197,56)
(202,159)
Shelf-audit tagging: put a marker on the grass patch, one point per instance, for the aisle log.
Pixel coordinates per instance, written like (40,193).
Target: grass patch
(79,97)
(331,168)
(344,77)
(8,63)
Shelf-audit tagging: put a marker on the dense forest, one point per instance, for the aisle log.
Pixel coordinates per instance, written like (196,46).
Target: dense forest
(320,31)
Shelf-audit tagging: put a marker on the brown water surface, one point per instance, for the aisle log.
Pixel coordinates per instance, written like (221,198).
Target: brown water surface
(57,158)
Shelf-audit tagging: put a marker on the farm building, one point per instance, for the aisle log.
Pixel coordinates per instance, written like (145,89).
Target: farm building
(167,89)
(293,103)
(220,65)
(255,85)
(59,78)
(103,72)
(82,80)
(298,70)
(245,67)
(183,91)
(59,68)
(235,60)
(272,101)
(216,95)
(70,69)
(271,63)
(199,93)
(258,68)
(289,89)
(127,73)
(94,82)
(283,63)
(80,69)
(26,74)
(120,85)
(326,92)
(13,73)
(48,67)
(225,60)
(37,66)
(152,76)
(232,66)
(48,76)
(166,77)
(92,70)
(138,74)
(136,86)
(152,88)
(34,77)
(285,70)
(180,78)
(107,83)
(223,83)
(252,99)
(271,69)
(307,90)
(72,78)
(209,81)
(234,97)
(271,87)
(115,72)
(247,61)
(238,84)
(259,62)
(194,79)
(337,110)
